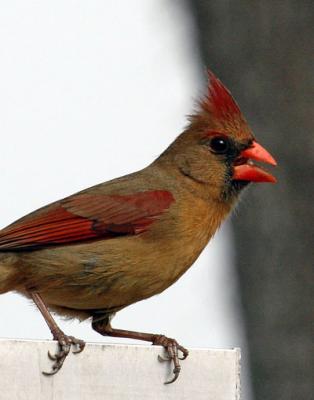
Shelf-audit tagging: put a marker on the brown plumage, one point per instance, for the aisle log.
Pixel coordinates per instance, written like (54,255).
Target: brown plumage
(102,249)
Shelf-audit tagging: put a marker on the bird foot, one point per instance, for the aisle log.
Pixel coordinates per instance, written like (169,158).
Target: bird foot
(64,343)
(172,348)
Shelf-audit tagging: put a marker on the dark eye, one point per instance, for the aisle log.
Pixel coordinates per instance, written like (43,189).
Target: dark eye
(219,144)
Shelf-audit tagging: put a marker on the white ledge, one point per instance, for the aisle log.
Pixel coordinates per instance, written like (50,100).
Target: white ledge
(115,372)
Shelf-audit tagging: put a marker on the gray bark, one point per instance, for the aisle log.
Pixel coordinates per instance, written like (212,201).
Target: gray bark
(263,51)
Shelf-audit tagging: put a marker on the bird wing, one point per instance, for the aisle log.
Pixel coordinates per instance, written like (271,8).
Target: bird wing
(85,217)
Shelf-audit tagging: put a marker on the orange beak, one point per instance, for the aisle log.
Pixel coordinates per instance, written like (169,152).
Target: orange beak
(245,170)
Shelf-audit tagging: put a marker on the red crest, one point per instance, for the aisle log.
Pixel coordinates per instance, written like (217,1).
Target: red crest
(219,101)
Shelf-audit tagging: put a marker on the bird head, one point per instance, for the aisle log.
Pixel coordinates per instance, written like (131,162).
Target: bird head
(217,149)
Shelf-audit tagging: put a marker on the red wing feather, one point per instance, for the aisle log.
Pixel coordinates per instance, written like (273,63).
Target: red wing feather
(84,217)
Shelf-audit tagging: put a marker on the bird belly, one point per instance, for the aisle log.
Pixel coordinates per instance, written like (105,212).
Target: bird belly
(107,274)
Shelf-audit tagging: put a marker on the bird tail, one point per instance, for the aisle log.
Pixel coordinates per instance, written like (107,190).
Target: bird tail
(8,273)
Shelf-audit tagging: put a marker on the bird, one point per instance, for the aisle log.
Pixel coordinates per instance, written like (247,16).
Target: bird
(91,254)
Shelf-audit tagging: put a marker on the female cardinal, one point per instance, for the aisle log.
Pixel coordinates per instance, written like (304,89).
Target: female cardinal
(106,247)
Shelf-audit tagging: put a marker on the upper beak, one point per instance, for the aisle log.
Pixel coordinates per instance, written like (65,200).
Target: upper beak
(245,170)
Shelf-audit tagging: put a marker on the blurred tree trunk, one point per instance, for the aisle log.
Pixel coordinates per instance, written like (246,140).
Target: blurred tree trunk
(263,51)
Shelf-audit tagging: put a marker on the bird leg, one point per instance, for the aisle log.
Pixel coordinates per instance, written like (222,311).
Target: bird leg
(64,341)
(171,345)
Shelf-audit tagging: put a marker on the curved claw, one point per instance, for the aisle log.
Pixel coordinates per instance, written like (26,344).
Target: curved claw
(65,343)
(184,356)
(58,359)
(51,357)
(60,355)
(54,371)
(81,347)
(163,359)
(172,347)
(176,373)
(77,351)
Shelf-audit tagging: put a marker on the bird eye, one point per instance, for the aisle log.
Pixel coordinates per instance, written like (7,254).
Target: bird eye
(219,144)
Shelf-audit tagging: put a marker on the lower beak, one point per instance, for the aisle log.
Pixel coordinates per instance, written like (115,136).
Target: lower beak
(245,170)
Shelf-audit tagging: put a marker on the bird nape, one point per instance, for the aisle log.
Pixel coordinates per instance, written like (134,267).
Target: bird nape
(95,252)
